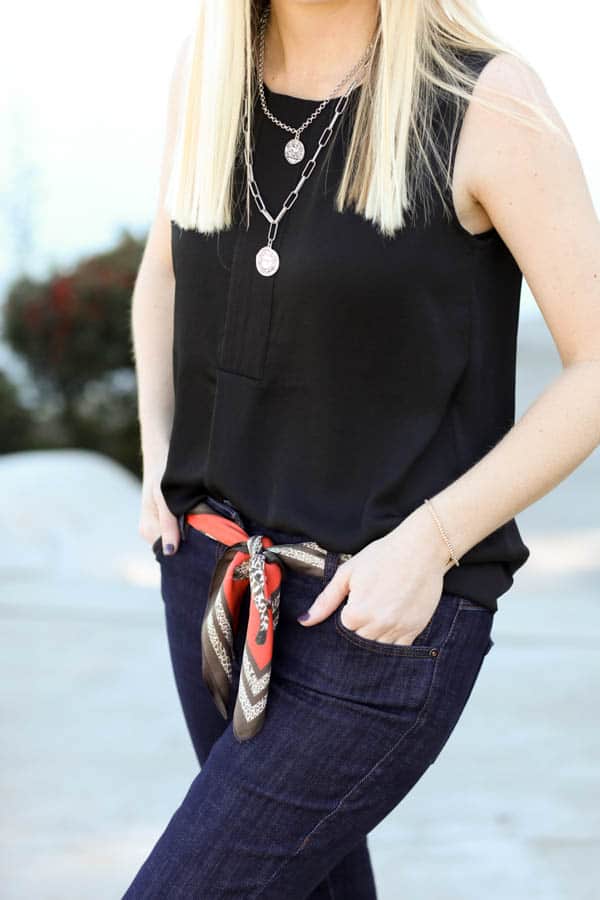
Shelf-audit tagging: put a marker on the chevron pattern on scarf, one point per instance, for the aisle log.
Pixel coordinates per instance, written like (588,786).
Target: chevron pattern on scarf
(254,561)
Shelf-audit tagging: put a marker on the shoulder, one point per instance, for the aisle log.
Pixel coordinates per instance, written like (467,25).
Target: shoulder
(510,116)
(511,79)
(510,132)
(510,94)
(505,89)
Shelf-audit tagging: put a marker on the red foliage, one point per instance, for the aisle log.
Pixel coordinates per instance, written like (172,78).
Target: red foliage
(75,326)
(62,295)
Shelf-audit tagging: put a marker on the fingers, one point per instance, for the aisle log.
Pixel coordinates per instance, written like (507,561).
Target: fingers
(351,622)
(169,529)
(329,599)
(383,628)
(155,514)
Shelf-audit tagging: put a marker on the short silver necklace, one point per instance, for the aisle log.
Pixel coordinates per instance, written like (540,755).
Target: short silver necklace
(267,258)
(294,149)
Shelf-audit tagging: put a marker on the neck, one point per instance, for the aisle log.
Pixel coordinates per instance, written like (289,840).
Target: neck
(310,45)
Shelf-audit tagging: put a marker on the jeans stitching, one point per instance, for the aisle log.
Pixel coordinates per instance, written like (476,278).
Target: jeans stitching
(374,767)
(386,649)
(329,887)
(418,650)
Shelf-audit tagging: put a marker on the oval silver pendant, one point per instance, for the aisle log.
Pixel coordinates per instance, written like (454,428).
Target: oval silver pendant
(267,261)
(294,151)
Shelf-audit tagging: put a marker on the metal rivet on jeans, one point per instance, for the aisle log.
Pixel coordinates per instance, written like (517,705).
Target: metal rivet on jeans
(433,652)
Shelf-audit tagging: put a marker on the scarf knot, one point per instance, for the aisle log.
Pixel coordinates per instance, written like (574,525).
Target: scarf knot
(252,561)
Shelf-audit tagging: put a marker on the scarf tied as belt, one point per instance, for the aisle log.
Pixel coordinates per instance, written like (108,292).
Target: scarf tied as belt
(251,560)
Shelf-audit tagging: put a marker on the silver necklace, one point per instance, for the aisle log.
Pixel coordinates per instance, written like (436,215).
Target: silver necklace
(267,258)
(294,149)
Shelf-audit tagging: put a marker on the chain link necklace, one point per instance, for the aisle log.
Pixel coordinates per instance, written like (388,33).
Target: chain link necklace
(267,258)
(294,149)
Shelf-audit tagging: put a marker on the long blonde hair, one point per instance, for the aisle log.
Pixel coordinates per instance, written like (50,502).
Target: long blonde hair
(392,145)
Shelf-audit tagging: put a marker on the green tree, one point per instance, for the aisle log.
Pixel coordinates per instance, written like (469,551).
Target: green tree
(73,331)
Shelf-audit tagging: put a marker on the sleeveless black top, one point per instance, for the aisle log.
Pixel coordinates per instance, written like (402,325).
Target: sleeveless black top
(330,399)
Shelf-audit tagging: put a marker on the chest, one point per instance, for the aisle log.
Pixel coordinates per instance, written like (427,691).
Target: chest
(343,292)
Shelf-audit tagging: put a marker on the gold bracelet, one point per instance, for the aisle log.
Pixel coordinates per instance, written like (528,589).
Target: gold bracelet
(453,558)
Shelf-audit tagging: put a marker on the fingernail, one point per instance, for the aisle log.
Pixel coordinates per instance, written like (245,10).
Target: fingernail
(169,548)
(303,617)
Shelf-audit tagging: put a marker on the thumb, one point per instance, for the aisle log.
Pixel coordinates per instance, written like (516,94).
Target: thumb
(329,599)
(169,529)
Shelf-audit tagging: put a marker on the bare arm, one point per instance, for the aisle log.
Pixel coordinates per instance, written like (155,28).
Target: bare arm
(152,334)
(531,187)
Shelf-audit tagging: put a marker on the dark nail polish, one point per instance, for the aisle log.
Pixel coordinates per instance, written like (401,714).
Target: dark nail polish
(169,548)
(303,617)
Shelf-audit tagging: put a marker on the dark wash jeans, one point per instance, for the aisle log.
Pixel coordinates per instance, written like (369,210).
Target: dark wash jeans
(351,725)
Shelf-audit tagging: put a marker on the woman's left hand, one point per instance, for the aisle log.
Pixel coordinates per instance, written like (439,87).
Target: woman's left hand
(393,584)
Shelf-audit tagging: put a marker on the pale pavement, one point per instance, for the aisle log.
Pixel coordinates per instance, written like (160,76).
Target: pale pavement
(95,755)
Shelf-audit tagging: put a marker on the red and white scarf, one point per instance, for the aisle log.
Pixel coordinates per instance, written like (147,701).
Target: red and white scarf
(256,561)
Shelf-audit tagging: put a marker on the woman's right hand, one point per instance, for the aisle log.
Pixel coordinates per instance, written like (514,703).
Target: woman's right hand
(156,519)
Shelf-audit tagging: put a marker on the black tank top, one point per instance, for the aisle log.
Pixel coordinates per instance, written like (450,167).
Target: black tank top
(329,399)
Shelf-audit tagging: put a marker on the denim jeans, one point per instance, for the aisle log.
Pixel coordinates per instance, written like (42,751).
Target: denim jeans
(351,725)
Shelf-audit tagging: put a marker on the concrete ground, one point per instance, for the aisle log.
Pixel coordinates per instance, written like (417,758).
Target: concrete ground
(95,755)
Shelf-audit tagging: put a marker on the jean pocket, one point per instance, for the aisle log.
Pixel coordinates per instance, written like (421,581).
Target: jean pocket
(425,643)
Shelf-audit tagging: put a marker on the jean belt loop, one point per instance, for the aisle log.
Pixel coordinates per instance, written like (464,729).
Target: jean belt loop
(235,514)
(225,507)
(331,563)
(183,526)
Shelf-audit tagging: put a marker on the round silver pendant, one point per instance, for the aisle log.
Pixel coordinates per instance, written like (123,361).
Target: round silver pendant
(294,151)
(267,261)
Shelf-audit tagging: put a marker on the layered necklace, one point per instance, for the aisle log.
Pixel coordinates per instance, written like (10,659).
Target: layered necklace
(294,149)
(267,258)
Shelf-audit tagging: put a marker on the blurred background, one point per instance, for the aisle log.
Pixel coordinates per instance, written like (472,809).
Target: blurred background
(95,755)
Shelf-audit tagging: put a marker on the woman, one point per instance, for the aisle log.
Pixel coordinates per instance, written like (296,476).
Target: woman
(351,193)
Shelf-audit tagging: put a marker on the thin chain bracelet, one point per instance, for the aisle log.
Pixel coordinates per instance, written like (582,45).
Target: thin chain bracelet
(453,557)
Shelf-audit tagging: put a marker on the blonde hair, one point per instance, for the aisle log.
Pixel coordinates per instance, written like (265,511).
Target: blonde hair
(417,54)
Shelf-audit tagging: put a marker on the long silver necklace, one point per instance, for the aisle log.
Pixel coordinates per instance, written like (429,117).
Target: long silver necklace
(294,149)
(267,258)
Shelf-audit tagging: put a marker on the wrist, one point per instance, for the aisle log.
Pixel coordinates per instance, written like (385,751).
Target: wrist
(451,549)
(422,527)
(154,464)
